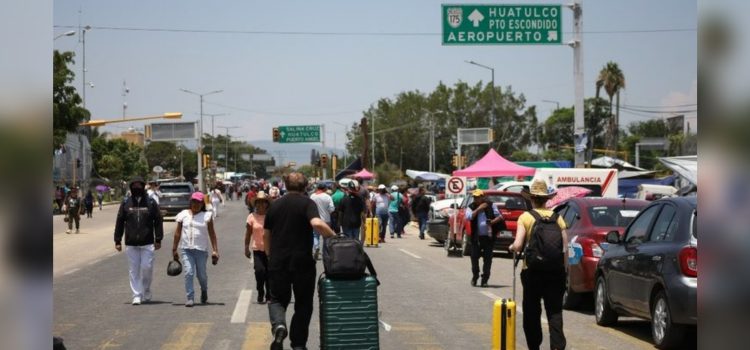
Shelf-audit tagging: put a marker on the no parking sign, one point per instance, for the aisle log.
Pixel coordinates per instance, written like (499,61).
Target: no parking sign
(455,185)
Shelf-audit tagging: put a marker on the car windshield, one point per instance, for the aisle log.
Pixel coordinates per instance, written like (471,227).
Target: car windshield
(175,188)
(612,216)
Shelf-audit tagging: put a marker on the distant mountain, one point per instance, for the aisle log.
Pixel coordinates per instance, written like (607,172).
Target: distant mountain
(293,152)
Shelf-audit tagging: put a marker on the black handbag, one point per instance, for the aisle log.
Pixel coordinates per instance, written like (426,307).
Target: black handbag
(174,268)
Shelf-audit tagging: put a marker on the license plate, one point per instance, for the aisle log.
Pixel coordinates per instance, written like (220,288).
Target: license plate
(505,234)
(174,199)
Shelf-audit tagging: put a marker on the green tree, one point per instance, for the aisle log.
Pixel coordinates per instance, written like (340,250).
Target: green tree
(66,110)
(129,155)
(613,80)
(522,156)
(558,128)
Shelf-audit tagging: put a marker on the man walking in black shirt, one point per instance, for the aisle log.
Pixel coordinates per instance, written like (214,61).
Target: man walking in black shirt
(291,267)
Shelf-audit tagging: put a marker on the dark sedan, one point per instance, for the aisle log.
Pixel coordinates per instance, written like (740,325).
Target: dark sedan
(175,197)
(652,271)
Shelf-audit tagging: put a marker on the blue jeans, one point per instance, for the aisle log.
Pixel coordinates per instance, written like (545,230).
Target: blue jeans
(422,223)
(317,240)
(194,263)
(383,218)
(395,223)
(352,232)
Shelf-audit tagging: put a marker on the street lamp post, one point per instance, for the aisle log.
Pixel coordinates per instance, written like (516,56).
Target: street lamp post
(200,137)
(70,33)
(226,147)
(492,85)
(83,40)
(213,153)
(552,101)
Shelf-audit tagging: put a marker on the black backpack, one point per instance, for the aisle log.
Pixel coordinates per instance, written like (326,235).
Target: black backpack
(544,251)
(345,258)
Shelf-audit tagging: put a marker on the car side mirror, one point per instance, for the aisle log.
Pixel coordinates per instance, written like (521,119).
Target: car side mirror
(613,237)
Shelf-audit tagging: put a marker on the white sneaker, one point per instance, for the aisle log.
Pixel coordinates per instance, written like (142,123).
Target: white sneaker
(67,231)
(137,301)
(189,303)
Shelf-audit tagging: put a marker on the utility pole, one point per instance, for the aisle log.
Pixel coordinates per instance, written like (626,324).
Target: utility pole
(199,151)
(226,147)
(125,92)
(579,131)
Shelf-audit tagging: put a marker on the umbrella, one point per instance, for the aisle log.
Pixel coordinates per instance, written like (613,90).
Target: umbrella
(102,188)
(564,193)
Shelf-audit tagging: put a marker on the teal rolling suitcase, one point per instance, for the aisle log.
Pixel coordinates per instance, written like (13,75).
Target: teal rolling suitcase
(348,314)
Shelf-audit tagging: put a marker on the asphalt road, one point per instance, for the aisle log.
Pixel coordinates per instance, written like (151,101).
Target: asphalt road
(425,299)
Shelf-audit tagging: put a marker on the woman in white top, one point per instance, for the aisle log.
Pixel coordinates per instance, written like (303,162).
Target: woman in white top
(216,199)
(254,233)
(195,228)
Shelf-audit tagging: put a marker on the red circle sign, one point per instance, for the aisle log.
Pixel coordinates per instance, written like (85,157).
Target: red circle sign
(455,185)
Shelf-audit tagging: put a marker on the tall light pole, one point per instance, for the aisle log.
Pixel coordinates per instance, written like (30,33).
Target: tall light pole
(552,101)
(69,33)
(492,85)
(226,147)
(200,137)
(213,153)
(334,135)
(83,40)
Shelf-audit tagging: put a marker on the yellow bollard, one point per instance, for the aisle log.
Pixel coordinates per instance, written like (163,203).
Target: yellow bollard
(504,325)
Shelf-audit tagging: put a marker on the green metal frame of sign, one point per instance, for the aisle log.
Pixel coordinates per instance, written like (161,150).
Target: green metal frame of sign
(299,133)
(502,24)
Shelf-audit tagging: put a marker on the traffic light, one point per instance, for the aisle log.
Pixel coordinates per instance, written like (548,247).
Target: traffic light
(323,160)
(206,160)
(454,161)
(276,135)
(463,161)
(491,135)
(334,162)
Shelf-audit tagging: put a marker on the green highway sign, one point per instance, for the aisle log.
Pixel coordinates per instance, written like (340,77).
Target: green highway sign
(299,133)
(501,24)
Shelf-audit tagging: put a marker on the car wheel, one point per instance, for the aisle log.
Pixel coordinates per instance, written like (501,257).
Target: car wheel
(571,299)
(666,335)
(605,316)
(465,246)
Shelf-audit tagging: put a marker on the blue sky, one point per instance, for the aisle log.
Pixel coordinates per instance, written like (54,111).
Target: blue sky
(277,79)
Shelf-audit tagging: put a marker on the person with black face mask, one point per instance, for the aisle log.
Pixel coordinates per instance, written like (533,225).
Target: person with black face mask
(140,221)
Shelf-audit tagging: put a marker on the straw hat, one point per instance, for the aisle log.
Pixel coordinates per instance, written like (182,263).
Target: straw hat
(538,188)
(260,196)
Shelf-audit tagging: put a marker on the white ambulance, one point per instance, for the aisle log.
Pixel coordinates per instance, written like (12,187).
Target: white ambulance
(602,182)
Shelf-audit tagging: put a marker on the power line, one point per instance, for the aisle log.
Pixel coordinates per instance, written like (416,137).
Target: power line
(295,33)
(281,113)
(672,106)
(657,111)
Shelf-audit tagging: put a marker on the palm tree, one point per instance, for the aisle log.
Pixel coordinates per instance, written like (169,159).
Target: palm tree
(613,80)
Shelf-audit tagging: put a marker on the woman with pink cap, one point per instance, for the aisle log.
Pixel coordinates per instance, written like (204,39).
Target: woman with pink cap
(195,228)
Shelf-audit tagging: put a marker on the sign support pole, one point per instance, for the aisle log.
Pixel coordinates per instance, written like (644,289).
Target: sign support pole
(579,133)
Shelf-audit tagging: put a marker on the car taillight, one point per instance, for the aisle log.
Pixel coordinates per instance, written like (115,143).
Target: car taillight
(689,261)
(596,250)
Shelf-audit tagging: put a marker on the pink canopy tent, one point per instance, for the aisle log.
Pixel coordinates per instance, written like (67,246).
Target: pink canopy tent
(364,174)
(491,165)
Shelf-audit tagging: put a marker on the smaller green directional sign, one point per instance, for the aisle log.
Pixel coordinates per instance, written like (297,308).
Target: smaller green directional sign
(299,133)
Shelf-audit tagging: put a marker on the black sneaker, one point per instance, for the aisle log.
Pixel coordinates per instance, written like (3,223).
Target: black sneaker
(474,281)
(261,298)
(279,334)
(204,297)
(484,284)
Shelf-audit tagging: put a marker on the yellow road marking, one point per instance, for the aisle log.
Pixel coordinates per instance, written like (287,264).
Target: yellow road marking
(257,336)
(188,336)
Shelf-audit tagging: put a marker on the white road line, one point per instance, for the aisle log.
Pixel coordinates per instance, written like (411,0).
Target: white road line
(410,253)
(519,309)
(240,310)
(71,271)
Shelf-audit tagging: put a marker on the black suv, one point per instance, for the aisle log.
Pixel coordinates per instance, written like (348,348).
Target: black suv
(175,197)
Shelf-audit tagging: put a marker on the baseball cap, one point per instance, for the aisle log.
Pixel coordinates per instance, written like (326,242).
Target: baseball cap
(198,196)
(394,188)
(381,187)
(477,193)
